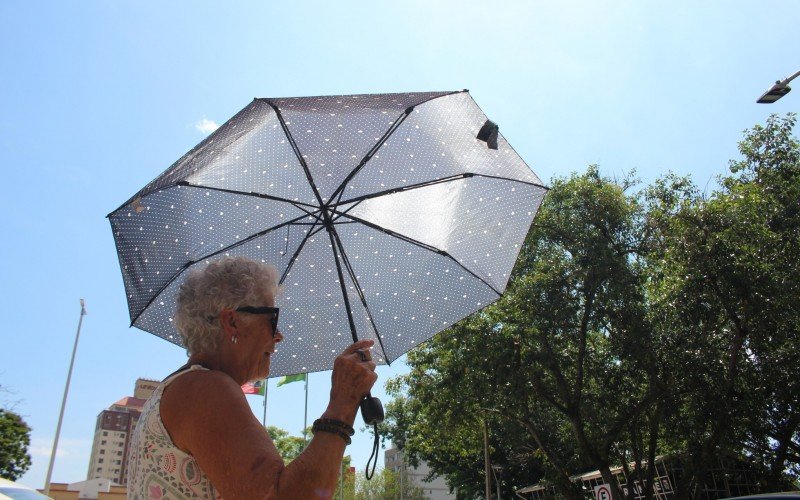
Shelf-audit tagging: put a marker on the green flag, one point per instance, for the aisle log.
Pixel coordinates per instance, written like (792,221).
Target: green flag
(286,379)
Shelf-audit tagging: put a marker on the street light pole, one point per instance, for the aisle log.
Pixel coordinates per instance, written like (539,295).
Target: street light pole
(63,403)
(780,89)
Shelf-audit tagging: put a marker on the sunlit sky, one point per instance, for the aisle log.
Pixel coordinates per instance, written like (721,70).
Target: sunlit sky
(97,98)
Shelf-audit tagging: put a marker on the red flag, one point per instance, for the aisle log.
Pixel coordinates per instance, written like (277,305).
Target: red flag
(257,387)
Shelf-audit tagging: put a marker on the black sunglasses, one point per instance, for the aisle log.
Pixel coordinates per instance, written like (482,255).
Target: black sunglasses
(274,311)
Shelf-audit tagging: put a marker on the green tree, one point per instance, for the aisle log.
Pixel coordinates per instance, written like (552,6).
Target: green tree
(15,437)
(288,446)
(562,367)
(725,289)
(346,487)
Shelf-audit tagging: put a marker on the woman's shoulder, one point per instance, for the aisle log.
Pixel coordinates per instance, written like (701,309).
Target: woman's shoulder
(193,402)
(208,383)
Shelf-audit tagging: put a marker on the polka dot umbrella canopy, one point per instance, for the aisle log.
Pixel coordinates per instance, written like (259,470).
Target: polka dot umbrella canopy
(388,216)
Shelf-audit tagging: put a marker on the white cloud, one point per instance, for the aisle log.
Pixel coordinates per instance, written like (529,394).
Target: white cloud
(70,466)
(206,126)
(42,447)
(43,451)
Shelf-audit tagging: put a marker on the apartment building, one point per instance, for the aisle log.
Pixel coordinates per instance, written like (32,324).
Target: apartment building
(112,434)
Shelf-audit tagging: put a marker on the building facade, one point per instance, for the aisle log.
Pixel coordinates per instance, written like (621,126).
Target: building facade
(435,489)
(112,433)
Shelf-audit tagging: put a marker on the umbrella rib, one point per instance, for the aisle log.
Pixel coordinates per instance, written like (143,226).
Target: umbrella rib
(296,253)
(340,190)
(451,178)
(419,244)
(311,233)
(186,158)
(528,183)
(296,150)
(385,192)
(334,235)
(191,263)
(302,206)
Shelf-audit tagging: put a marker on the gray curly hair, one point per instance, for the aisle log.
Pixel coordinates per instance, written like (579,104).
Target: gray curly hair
(227,283)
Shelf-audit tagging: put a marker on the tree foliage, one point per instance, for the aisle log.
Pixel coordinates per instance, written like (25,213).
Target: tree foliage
(15,438)
(561,364)
(638,322)
(288,446)
(727,296)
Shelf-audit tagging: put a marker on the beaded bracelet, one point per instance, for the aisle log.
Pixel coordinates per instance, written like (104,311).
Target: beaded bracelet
(347,429)
(330,429)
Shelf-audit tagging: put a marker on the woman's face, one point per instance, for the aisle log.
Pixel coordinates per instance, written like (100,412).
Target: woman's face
(257,340)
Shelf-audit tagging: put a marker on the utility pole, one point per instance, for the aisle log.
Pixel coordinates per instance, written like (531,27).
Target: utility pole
(487,463)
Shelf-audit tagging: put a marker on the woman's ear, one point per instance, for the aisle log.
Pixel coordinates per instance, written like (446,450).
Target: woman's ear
(228,320)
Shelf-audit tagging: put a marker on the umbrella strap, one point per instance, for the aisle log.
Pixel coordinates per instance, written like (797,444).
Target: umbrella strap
(375,447)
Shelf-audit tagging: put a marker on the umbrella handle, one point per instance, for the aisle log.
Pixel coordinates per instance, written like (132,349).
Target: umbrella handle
(371,410)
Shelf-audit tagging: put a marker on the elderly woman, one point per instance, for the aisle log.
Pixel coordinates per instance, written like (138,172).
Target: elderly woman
(198,438)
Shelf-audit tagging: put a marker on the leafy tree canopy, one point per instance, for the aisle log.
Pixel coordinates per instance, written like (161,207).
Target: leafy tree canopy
(637,322)
(15,438)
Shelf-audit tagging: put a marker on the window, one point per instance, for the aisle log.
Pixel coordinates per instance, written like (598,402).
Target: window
(105,433)
(102,452)
(103,442)
(100,461)
(99,469)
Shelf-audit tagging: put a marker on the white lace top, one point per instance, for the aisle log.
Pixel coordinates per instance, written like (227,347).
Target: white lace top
(157,469)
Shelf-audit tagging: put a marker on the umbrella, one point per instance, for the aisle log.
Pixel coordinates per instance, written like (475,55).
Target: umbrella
(389,216)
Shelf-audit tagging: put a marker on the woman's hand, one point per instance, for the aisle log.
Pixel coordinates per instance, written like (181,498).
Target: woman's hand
(352,378)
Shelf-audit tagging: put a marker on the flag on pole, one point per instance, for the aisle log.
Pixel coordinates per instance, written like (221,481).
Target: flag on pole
(258,387)
(287,379)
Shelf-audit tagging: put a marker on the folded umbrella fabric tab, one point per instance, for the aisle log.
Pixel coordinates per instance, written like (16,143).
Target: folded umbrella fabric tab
(488,134)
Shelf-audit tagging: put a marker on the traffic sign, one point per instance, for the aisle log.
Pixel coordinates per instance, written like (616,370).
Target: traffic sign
(602,492)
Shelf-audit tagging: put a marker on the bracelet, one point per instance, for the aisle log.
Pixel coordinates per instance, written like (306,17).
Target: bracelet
(331,429)
(338,424)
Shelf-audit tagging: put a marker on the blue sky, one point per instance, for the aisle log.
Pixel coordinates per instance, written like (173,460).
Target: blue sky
(100,97)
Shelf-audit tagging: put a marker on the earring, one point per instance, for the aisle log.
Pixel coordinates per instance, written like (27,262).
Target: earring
(234,339)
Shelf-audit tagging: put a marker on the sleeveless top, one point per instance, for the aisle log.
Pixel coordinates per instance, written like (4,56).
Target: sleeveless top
(157,469)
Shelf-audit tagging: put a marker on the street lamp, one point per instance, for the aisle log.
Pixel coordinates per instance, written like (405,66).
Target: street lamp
(780,89)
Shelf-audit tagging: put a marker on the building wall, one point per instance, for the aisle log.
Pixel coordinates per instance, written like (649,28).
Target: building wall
(109,449)
(436,489)
(79,491)
(144,388)
(60,491)
(113,430)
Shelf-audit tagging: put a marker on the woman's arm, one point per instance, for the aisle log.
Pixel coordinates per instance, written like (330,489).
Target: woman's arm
(207,416)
